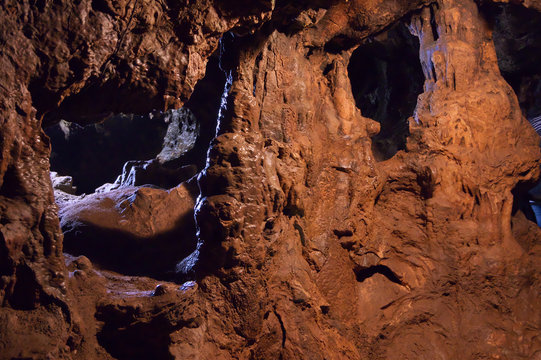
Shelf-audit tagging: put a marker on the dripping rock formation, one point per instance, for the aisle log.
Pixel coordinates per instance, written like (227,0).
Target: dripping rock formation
(363,172)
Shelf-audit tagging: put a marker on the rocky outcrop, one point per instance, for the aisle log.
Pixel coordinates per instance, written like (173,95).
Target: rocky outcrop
(308,246)
(137,231)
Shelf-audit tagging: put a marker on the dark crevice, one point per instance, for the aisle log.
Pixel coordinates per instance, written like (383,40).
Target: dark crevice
(26,291)
(256,71)
(434,24)
(6,264)
(328,69)
(425,180)
(433,71)
(11,186)
(364,273)
(300,230)
(340,233)
(124,337)
(340,43)
(386,78)
(521,201)
(103,6)
(343,169)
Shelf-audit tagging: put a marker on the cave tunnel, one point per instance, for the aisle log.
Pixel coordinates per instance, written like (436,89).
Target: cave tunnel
(102,171)
(386,78)
(96,154)
(517,39)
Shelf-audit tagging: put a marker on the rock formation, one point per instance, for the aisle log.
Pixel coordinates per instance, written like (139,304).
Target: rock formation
(306,241)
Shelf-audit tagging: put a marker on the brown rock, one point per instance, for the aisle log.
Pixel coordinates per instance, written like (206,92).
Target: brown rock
(309,247)
(132,230)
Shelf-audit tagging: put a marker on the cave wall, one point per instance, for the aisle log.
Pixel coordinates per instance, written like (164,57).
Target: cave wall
(309,247)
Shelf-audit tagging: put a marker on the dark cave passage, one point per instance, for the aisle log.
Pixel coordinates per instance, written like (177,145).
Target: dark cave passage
(152,153)
(517,39)
(95,154)
(126,339)
(386,78)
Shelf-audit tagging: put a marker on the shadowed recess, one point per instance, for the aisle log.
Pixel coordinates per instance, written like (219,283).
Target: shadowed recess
(386,78)
(364,273)
(517,38)
(95,154)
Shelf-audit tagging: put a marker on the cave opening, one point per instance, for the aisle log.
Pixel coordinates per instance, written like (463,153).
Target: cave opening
(386,78)
(104,152)
(517,39)
(126,186)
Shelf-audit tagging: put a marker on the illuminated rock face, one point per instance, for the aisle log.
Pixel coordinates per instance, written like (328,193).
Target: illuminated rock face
(308,245)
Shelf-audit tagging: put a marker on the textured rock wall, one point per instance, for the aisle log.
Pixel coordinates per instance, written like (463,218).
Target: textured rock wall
(79,60)
(310,248)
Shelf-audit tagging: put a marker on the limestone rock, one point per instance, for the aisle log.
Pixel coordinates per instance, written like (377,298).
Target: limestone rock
(135,173)
(132,230)
(63,183)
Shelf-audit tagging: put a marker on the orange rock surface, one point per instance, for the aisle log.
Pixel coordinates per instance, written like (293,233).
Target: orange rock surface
(308,246)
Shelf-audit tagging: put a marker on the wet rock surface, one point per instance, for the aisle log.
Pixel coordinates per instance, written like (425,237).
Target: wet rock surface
(308,246)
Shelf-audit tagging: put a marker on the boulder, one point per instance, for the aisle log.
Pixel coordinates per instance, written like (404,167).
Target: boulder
(128,229)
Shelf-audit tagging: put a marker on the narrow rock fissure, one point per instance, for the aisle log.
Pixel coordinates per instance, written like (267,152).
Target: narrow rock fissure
(386,78)
(364,273)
